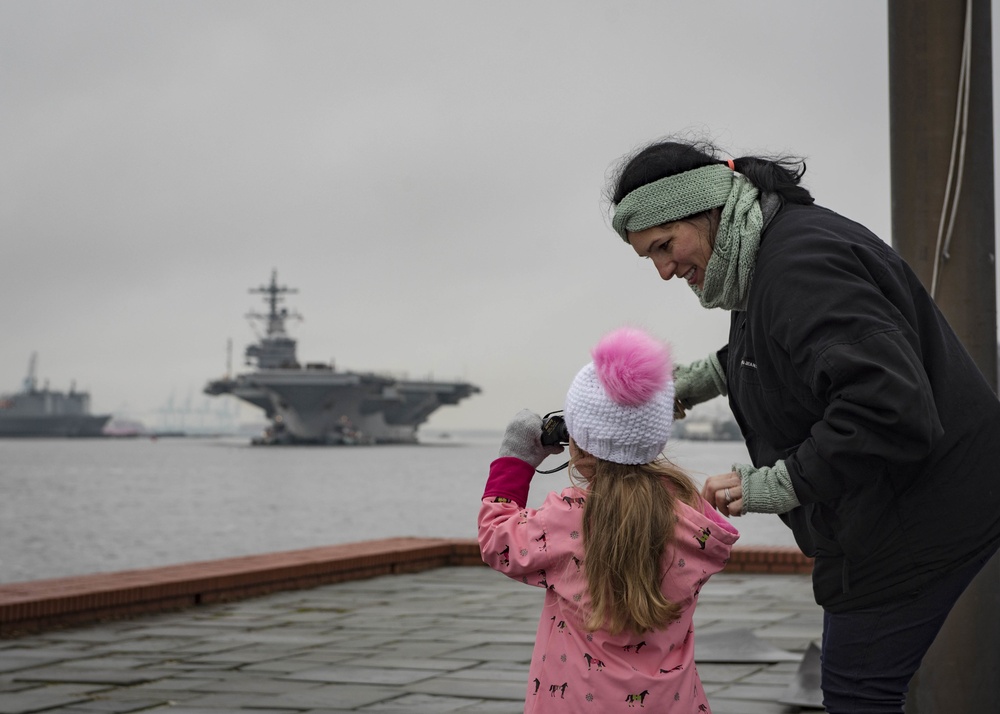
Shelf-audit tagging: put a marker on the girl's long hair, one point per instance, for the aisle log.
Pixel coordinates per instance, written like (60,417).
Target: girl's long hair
(628,522)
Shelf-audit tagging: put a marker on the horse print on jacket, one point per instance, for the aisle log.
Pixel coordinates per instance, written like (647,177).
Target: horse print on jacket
(574,670)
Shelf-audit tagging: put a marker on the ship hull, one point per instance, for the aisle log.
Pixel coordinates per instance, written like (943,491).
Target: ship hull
(53,426)
(326,407)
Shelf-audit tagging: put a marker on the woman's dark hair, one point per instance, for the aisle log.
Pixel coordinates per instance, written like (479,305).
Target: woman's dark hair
(780,175)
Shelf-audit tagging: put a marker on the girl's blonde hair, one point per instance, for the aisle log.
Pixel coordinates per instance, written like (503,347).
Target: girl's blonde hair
(628,522)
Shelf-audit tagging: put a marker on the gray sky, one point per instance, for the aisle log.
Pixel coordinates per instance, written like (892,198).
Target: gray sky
(428,174)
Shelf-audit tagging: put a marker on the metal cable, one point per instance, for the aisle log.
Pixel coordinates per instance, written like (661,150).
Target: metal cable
(941,249)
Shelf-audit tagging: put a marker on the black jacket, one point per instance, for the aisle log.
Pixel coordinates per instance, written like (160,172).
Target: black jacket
(843,366)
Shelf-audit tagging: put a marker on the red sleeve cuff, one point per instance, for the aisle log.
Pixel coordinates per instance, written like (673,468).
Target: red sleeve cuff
(510,478)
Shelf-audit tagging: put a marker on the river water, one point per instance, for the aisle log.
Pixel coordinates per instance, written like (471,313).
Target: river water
(72,507)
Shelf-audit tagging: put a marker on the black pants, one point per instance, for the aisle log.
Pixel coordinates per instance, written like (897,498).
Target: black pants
(870,655)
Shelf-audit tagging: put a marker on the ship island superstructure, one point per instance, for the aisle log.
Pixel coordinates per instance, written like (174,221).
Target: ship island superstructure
(314,403)
(45,412)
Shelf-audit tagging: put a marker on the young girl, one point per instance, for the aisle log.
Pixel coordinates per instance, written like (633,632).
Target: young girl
(622,555)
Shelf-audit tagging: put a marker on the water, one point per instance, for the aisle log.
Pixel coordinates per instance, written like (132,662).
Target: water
(72,507)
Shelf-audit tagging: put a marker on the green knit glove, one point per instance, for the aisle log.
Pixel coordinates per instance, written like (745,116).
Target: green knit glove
(767,489)
(697,382)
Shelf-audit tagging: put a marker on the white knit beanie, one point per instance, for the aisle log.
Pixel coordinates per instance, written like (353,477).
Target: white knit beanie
(620,406)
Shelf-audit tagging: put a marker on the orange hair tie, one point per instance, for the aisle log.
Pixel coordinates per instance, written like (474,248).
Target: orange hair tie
(732,164)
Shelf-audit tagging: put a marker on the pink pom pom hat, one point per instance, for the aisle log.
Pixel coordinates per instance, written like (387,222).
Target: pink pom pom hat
(620,406)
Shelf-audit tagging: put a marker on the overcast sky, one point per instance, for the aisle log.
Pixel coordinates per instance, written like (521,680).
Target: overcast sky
(429,175)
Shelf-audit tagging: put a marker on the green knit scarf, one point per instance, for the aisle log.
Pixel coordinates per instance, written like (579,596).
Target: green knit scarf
(730,267)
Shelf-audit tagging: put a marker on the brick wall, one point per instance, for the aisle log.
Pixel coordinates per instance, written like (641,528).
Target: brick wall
(45,604)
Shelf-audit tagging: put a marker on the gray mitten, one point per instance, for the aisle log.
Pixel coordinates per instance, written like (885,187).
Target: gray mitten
(767,489)
(523,439)
(697,382)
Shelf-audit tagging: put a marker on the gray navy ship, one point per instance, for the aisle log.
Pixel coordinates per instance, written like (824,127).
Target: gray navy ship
(314,403)
(45,412)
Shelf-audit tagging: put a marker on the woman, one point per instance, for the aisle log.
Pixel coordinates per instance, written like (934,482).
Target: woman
(871,431)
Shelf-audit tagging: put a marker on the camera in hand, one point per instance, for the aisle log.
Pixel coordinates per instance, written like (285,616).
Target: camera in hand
(554,432)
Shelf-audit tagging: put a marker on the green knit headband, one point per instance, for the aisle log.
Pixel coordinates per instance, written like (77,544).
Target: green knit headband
(672,198)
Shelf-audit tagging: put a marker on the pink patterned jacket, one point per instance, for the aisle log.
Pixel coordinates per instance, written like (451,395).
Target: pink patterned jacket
(573,670)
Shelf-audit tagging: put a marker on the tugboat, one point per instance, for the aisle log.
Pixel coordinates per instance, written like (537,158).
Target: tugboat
(45,412)
(317,404)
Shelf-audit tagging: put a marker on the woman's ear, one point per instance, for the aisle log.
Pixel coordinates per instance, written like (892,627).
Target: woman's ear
(713,218)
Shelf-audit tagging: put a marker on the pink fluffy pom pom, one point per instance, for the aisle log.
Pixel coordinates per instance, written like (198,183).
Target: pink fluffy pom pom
(632,365)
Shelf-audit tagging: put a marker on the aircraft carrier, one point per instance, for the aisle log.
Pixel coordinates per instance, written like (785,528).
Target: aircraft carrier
(314,403)
(46,412)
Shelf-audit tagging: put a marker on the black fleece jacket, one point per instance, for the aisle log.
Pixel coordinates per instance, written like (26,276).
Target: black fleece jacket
(843,366)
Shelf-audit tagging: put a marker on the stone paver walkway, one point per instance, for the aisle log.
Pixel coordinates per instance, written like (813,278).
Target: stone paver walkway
(455,639)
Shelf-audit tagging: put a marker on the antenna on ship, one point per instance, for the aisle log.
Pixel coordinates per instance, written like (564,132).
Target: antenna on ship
(276,316)
(30,381)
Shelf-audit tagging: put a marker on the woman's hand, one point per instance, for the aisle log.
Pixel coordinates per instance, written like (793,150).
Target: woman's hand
(725,492)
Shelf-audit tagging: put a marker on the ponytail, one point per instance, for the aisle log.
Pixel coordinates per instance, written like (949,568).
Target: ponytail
(780,175)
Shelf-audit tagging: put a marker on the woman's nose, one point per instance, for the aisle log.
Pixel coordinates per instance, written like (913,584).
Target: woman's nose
(666,268)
